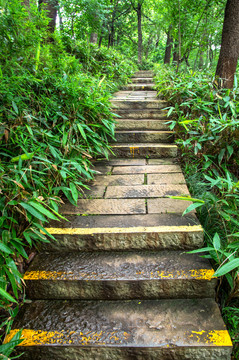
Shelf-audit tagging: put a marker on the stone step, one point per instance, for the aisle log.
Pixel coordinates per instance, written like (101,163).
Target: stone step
(148,150)
(142,80)
(143,73)
(119,275)
(144,136)
(144,124)
(133,231)
(138,87)
(138,114)
(146,191)
(138,104)
(133,329)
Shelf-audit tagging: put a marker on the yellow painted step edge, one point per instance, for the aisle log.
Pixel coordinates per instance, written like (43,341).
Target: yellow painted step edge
(39,337)
(197,274)
(116,230)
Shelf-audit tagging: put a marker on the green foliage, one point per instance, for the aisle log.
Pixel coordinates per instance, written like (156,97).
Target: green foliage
(207,126)
(55,117)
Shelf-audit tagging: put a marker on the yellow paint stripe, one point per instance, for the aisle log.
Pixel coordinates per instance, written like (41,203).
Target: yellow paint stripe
(40,338)
(117,230)
(198,274)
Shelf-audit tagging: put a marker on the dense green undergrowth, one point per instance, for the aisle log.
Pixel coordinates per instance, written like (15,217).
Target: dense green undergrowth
(206,122)
(55,117)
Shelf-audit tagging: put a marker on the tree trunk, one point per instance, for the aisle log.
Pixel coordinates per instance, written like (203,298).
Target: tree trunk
(140,39)
(93,38)
(25,3)
(229,53)
(169,46)
(175,53)
(51,7)
(179,36)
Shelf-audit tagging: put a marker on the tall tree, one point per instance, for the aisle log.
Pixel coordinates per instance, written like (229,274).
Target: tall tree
(169,45)
(138,8)
(229,53)
(51,7)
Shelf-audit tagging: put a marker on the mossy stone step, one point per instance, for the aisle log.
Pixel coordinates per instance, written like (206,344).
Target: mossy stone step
(138,114)
(134,329)
(138,87)
(137,104)
(142,80)
(119,275)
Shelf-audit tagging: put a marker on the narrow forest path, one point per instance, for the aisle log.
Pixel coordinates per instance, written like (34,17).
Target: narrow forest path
(118,284)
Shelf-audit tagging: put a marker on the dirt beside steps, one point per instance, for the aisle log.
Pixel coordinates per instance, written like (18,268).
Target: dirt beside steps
(118,283)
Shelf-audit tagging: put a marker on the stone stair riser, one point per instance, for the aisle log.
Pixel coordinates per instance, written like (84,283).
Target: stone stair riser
(119,290)
(142,80)
(131,124)
(129,105)
(147,151)
(127,241)
(144,137)
(141,114)
(138,87)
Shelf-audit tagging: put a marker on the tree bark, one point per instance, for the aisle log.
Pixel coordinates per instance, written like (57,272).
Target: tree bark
(229,52)
(140,39)
(93,38)
(169,46)
(26,3)
(51,7)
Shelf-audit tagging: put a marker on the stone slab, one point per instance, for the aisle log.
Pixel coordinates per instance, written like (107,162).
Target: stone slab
(94,192)
(119,275)
(105,169)
(142,80)
(140,124)
(139,150)
(162,162)
(176,178)
(122,162)
(146,191)
(147,329)
(142,114)
(138,104)
(104,206)
(117,180)
(147,169)
(140,87)
(161,205)
(148,136)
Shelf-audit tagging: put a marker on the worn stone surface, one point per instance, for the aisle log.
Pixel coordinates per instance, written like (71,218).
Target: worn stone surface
(105,206)
(161,205)
(122,162)
(117,275)
(117,180)
(142,114)
(141,136)
(94,192)
(163,325)
(105,169)
(138,104)
(176,178)
(147,169)
(144,150)
(167,161)
(141,124)
(138,87)
(142,80)
(146,191)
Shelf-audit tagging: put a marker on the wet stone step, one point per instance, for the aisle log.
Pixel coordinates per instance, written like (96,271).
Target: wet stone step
(119,275)
(138,114)
(126,232)
(144,136)
(137,329)
(141,124)
(148,150)
(146,191)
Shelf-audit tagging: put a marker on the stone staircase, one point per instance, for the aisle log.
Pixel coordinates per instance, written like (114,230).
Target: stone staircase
(118,283)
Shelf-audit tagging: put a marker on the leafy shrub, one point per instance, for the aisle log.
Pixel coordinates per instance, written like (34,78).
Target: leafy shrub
(207,126)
